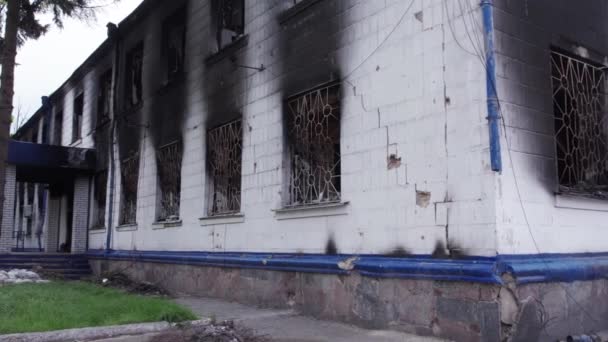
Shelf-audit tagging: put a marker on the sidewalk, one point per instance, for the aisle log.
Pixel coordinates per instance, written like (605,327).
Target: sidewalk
(280,325)
(287,325)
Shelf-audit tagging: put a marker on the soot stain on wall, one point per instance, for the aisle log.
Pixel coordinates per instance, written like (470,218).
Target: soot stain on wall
(168,97)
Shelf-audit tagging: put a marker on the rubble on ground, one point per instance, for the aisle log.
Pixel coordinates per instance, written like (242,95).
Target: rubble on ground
(17,276)
(123,282)
(225,331)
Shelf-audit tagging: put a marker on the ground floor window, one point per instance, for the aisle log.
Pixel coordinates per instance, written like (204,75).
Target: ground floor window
(129,175)
(224,150)
(99,198)
(169,167)
(579,106)
(313,131)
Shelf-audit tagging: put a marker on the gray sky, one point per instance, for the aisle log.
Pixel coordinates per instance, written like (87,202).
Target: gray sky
(44,64)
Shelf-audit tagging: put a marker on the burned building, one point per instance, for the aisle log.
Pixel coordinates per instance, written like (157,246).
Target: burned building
(436,167)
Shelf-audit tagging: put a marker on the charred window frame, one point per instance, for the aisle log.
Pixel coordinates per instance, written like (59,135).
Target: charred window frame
(34,137)
(29,216)
(313,133)
(224,160)
(580,103)
(104,98)
(77,116)
(229,17)
(174,44)
(134,76)
(100,186)
(169,168)
(57,127)
(129,172)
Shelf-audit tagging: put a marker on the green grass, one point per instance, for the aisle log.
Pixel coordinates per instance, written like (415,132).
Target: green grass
(66,305)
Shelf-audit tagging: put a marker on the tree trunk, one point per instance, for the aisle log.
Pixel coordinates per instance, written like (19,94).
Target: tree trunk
(7,80)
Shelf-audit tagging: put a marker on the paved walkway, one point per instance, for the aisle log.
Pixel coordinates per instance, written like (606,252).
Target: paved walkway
(282,325)
(287,325)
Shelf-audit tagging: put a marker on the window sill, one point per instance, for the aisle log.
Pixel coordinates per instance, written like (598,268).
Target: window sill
(580,203)
(328,209)
(222,219)
(127,227)
(228,50)
(166,224)
(296,9)
(97,230)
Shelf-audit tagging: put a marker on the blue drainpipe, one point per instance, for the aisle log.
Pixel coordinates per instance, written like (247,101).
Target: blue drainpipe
(492,94)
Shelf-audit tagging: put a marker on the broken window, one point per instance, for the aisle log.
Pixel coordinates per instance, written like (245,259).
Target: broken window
(57,127)
(134,69)
(313,125)
(579,106)
(169,167)
(104,98)
(77,117)
(28,212)
(99,198)
(224,149)
(174,44)
(129,172)
(230,20)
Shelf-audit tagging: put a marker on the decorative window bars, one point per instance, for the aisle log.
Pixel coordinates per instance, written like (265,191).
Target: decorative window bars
(99,197)
(313,125)
(579,105)
(224,150)
(129,175)
(169,166)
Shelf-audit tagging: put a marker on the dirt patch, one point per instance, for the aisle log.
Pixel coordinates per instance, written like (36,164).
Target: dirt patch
(121,281)
(225,331)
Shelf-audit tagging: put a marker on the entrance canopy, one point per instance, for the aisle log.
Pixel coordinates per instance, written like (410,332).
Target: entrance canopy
(49,164)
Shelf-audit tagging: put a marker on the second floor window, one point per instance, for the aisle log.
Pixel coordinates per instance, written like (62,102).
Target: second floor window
(57,127)
(133,81)
(230,21)
(174,44)
(104,98)
(78,112)
(580,110)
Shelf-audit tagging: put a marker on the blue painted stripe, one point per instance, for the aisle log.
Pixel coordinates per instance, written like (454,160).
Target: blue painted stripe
(525,268)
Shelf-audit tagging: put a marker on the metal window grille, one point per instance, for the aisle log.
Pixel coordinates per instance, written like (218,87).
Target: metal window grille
(129,172)
(99,196)
(579,105)
(224,150)
(169,166)
(314,139)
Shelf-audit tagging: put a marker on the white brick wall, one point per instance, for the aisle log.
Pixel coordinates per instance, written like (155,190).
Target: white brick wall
(394,102)
(8,213)
(525,32)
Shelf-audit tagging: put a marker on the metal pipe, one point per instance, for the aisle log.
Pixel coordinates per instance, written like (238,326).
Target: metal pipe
(492,93)
(115,36)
